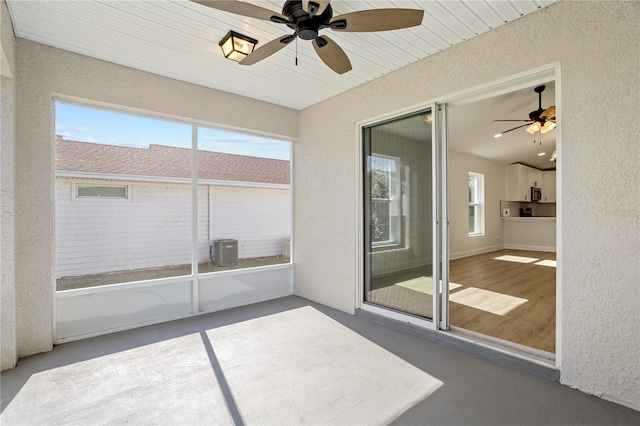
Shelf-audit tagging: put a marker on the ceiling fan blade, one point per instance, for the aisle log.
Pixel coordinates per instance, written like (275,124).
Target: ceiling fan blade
(515,128)
(332,54)
(315,7)
(267,50)
(549,112)
(377,20)
(241,8)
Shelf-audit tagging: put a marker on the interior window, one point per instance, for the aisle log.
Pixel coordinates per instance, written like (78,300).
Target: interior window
(386,209)
(476,204)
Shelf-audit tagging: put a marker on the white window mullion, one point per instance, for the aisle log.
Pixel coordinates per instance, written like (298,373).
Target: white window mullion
(195,302)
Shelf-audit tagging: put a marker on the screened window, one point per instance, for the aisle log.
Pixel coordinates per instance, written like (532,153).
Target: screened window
(476,204)
(385,200)
(172,226)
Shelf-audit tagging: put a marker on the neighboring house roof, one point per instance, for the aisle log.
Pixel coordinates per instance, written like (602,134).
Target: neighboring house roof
(166,161)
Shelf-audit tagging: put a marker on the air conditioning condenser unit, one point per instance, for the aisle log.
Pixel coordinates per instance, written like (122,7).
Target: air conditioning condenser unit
(225,252)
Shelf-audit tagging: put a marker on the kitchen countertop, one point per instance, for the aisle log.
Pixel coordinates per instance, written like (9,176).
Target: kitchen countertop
(536,218)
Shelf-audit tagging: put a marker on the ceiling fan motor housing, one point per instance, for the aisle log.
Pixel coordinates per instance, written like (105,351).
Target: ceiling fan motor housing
(306,27)
(535,115)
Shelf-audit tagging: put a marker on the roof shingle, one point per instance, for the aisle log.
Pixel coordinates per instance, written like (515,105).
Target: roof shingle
(166,161)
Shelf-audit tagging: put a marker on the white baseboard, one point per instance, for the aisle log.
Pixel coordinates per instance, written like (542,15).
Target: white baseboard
(531,248)
(473,252)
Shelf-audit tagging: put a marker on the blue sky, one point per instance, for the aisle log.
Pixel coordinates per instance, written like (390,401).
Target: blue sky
(98,126)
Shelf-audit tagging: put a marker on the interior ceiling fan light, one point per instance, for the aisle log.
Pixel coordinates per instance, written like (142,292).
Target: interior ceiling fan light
(548,126)
(540,120)
(236,46)
(534,128)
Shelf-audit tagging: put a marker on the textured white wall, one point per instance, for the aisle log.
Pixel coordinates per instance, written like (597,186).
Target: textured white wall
(8,355)
(43,72)
(596,45)
(495,185)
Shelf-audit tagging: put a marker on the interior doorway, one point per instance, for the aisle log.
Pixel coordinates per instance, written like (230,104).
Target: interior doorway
(502,242)
(488,251)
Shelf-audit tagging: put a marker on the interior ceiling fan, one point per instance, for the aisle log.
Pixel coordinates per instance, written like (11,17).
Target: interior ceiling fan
(540,120)
(307,18)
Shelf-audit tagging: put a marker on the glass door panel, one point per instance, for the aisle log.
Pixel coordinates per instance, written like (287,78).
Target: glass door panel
(399,214)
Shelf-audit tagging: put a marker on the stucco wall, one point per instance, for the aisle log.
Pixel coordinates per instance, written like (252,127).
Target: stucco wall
(495,188)
(596,45)
(44,71)
(8,354)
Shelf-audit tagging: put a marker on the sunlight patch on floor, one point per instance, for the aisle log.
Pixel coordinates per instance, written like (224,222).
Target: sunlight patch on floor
(548,262)
(424,285)
(488,301)
(302,366)
(517,259)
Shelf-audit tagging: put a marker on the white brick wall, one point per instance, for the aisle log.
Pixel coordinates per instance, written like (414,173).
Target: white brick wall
(153,227)
(258,218)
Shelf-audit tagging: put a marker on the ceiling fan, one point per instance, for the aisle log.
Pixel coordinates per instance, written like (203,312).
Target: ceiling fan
(540,120)
(307,18)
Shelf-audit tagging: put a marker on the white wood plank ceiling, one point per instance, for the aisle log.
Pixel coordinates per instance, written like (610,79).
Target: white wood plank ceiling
(179,39)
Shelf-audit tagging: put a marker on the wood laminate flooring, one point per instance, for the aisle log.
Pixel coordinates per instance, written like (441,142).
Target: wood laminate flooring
(507,294)
(523,281)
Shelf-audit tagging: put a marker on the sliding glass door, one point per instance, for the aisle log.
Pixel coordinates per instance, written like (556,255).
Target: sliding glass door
(400,216)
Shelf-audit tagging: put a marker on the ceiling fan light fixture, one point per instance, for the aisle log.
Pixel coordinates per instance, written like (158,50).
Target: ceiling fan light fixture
(236,46)
(547,127)
(535,127)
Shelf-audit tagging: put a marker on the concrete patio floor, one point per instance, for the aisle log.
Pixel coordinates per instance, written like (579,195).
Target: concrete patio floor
(285,361)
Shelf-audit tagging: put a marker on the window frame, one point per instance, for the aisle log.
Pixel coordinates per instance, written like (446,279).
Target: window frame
(477,202)
(193,181)
(394,200)
(78,185)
